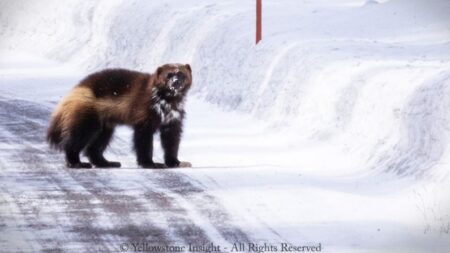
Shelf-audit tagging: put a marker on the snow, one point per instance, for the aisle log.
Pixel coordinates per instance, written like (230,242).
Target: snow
(334,129)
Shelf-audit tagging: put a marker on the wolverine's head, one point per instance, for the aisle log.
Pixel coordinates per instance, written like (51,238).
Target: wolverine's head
(173,80)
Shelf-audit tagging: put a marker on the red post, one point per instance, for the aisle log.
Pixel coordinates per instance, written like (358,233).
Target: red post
(258,21)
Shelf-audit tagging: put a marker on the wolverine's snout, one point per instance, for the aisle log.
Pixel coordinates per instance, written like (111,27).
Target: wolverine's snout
(176,82)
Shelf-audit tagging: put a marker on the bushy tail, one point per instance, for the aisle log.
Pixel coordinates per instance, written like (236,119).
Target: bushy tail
(54,132)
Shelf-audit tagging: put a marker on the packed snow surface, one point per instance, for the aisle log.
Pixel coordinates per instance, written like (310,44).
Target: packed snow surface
(334,130)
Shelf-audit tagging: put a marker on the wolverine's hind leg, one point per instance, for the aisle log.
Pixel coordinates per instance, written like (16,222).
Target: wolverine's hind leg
(97,146)
(81,132)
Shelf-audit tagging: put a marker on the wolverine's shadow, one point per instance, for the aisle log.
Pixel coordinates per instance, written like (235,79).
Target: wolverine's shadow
(184,168)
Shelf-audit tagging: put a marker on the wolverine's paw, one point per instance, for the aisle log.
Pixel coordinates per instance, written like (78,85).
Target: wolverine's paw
(108,164)
(172,163)
(178,164)
(79,165)
(185,164)
(152,165)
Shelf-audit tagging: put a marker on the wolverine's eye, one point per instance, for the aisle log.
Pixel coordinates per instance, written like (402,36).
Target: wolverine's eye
(170,75)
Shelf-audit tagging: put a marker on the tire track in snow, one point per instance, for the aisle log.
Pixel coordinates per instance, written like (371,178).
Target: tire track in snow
(204,204)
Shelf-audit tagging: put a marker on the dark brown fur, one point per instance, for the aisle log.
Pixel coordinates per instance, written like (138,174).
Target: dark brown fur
(86,117)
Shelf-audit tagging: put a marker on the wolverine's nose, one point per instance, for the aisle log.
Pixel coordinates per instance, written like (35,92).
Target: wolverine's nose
(176,84)
(177,81)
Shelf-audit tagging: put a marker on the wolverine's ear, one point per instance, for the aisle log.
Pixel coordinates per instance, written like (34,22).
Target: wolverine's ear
(189,67)
(159,71)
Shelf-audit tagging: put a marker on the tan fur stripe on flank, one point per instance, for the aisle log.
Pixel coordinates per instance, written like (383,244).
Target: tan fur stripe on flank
(82,99)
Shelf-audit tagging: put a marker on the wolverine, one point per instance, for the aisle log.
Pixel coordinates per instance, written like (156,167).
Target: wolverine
(85,119)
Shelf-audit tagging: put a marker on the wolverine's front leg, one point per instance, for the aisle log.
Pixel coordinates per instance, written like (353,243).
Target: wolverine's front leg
(143,145)
(170,141)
